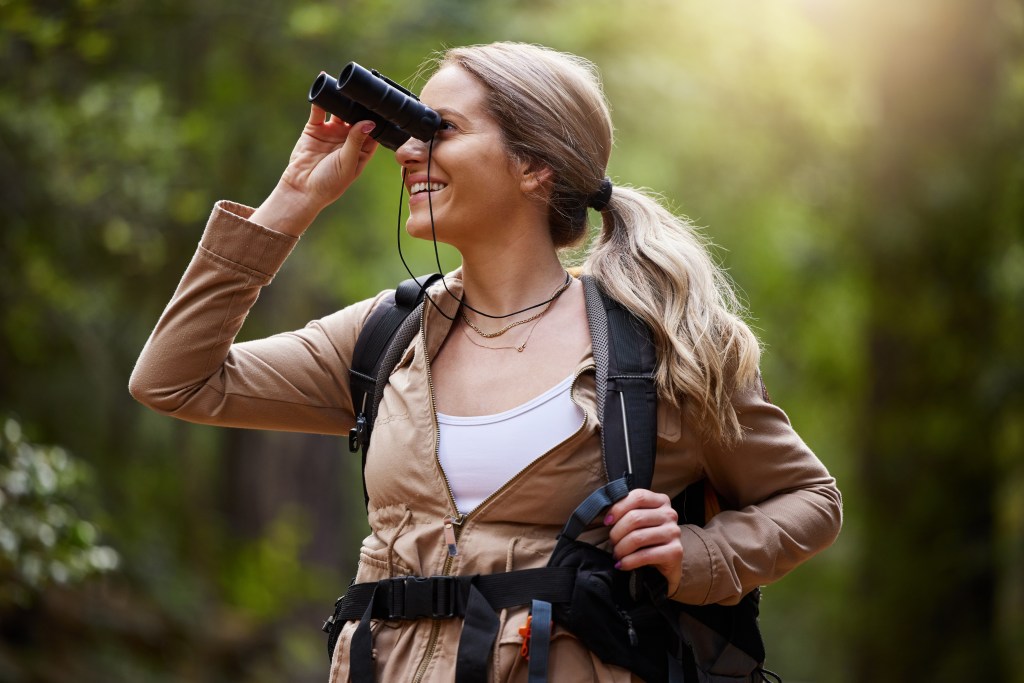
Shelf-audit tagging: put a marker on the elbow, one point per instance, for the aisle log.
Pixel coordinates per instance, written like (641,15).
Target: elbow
(837,514)
(142,388)
(830,516)
(145,386)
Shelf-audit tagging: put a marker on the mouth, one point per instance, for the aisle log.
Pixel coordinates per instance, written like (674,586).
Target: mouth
(423,187)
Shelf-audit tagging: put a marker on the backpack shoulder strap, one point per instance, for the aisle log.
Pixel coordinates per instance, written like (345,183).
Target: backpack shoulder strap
(387,331)
(626,395)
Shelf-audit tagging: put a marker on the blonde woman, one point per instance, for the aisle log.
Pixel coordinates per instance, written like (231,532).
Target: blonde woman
(489,420)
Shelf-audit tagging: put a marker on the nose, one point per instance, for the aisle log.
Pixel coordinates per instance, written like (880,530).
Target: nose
(411,152)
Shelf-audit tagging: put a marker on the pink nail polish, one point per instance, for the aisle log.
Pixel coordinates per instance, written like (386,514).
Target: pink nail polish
(608,520)
(368,127)
(618,565)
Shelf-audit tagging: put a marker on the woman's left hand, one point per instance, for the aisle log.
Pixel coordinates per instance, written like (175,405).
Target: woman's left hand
(645,531)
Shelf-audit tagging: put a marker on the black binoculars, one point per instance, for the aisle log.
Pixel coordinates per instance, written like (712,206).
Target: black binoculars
(361,95)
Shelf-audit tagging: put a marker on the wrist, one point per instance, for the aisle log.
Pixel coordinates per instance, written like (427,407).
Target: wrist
(286,210)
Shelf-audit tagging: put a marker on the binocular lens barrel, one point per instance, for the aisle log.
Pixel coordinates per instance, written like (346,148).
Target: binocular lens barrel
(398,107)
(359,95)
(325,94)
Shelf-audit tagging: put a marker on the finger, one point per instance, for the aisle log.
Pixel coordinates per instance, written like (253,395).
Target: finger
(668,554)
(646,537)
(317,116)
(637,499)
(642,518)
(666,558)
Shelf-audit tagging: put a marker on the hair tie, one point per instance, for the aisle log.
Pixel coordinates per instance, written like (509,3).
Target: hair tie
(599,200)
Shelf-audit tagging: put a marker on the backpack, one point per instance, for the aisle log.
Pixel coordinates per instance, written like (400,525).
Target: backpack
(625,618)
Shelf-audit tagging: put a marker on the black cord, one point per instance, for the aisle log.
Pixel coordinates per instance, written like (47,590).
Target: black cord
(437,256)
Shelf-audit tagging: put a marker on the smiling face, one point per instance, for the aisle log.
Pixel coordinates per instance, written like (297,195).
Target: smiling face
(476,191)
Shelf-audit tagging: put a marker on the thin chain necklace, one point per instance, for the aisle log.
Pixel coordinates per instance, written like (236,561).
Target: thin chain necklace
(520,348)
(491,335)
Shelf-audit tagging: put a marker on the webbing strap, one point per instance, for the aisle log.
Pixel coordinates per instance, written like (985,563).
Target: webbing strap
(442,597)
(382,323)
(630,411)
(476,598)
(361,653)
(540,641)
(593,504)
(371,353)
(479,631)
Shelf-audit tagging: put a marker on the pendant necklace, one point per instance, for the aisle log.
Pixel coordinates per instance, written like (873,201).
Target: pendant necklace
(491,335)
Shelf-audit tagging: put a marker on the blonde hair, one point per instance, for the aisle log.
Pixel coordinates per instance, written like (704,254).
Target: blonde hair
(552,111)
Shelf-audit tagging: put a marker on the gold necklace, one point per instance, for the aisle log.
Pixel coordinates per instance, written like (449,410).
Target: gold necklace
(520,348)
(491,335)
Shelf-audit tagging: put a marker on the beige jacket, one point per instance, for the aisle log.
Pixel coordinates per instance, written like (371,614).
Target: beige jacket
(785,505)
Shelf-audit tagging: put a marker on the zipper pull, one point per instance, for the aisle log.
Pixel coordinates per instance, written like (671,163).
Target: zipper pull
(449,534)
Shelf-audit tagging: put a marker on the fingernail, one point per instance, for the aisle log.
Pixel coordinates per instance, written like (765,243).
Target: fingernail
(368,127)
(608,520)
(618,565)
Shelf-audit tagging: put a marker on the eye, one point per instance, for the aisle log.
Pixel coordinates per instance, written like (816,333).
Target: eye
(447,126)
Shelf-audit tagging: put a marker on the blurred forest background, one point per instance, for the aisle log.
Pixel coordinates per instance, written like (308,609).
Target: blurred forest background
(859,165)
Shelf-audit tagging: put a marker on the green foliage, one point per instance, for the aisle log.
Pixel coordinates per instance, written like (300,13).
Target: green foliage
(43,538)
(266,576)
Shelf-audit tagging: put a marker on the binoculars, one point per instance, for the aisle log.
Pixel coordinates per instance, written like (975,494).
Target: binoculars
(362,95)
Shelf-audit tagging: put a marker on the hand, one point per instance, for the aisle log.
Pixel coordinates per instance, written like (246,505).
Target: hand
(645,531)
(328,156)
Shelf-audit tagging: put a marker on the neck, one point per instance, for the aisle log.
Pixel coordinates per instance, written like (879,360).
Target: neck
(506,284)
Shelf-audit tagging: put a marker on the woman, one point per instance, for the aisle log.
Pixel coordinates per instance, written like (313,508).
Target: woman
(521,155)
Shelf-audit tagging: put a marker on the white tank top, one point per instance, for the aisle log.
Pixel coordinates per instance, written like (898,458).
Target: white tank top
(480,454)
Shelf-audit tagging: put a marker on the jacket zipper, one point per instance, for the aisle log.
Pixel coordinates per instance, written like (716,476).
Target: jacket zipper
(456,519)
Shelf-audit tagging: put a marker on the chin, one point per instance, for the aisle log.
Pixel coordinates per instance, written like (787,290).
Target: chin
(420,229)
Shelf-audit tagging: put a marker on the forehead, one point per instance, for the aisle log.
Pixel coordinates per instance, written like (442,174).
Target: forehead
(454,88)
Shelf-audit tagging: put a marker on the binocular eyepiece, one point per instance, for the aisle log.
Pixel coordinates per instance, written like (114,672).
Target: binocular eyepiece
(361,95)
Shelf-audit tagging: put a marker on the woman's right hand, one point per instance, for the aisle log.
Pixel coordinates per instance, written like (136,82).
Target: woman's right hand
(328,156)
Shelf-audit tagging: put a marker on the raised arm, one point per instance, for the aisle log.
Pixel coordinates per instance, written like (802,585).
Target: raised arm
(297,381)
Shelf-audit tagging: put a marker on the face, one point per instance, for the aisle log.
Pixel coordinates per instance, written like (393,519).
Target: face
(474,188)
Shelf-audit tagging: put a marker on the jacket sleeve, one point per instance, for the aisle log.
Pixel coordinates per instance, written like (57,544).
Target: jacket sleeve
(783,507)
(191,368)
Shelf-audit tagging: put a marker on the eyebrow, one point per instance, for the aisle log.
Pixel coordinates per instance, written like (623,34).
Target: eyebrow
(447,111)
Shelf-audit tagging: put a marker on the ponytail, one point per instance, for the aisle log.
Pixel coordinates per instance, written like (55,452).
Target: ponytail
(658,266)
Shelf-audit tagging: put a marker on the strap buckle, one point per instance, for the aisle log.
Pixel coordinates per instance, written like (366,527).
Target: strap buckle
(419,597)
(358,435)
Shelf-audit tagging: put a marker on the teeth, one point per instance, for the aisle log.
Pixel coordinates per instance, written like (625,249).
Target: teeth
(424,187)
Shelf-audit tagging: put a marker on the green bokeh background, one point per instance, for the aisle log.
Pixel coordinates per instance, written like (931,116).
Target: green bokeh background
(858,165)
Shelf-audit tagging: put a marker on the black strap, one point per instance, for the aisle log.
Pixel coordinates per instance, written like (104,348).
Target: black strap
(443,597)
(630,418)
(369,353)
(361,657)
(476,598)
(479,631)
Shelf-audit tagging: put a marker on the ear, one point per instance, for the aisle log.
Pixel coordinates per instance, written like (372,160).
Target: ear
(536,177)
